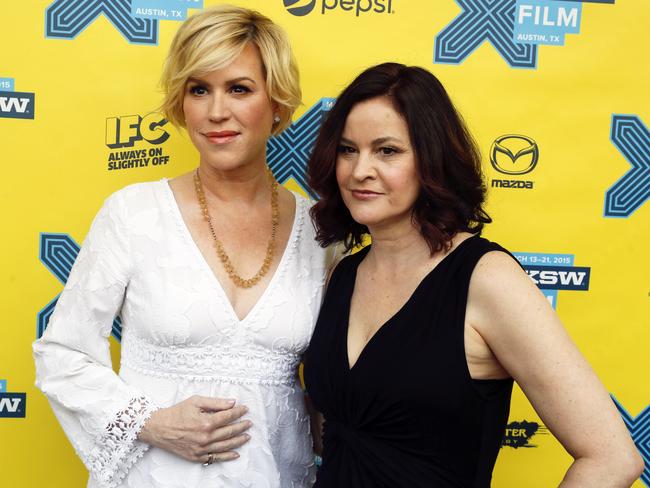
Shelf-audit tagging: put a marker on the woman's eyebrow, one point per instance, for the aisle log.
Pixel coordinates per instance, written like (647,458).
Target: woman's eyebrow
(347,141)
(383,140)
(240,79)
(375,142)
(194,79)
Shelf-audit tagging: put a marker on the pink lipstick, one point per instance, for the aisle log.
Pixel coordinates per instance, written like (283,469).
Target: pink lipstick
(221,137)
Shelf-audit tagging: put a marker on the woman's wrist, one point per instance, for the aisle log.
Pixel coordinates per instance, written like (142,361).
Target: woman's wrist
(147,433)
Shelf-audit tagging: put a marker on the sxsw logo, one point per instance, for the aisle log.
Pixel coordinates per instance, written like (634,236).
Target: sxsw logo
(136,20)
(554,272)
(16,105)
(12,405)
(519,434)
(546,21)
(66,19)
(631,137)
(513,27)
(559,278)
(301,8)
(514,155)
(125,130)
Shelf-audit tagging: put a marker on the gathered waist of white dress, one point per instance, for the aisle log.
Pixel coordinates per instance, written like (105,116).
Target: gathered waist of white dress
(249,364)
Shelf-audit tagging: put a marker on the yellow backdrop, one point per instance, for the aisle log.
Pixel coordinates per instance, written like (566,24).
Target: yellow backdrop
(78,100)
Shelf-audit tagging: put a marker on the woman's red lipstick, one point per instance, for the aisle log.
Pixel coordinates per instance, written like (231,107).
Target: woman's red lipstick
(221,137)
(364,194)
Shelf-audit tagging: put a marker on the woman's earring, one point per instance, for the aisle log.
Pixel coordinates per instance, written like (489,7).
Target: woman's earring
(276,119)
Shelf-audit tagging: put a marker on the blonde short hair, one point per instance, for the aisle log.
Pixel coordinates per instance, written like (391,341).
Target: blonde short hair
(211,39)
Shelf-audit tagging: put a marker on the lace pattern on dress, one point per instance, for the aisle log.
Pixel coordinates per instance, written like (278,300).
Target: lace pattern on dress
(118,448)
(247,364)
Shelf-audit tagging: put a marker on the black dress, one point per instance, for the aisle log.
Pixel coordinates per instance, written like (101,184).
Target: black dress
(408,414)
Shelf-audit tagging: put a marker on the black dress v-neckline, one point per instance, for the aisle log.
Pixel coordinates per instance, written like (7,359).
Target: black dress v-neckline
(407,414)
(393,318)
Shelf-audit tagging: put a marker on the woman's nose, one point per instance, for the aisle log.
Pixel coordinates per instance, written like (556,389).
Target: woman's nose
(364,166)
(219,108)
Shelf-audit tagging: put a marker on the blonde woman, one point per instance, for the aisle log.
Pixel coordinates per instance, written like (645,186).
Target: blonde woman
(217,278)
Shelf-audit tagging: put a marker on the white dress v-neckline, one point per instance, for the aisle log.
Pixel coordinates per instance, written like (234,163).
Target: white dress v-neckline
(213,277)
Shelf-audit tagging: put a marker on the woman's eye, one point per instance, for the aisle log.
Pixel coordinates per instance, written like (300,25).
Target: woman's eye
(388,151)
(198,90)
(343,149)
(239,89)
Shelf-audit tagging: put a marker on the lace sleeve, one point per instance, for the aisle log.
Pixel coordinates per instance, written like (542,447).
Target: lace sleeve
(100,413)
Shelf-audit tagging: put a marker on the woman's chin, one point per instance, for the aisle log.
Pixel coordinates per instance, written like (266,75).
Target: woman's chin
(366,218)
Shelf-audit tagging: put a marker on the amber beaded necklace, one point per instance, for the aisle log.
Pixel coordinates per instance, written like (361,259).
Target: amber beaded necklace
(221,253)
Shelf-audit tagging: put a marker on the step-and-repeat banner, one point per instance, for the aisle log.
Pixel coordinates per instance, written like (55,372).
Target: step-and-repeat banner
(555,92)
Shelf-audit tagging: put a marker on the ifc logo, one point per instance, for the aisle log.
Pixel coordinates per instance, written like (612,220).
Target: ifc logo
(304,7)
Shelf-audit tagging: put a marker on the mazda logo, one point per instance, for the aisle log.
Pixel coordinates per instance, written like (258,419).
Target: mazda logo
(514,154)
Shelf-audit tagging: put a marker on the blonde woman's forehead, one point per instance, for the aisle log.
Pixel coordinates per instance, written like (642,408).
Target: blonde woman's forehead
(246,65)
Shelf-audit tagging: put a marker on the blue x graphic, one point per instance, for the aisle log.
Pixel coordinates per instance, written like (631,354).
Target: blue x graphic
(639,428)
(481,20)
(65,19)
(632,138)
(58,253)
(288,152)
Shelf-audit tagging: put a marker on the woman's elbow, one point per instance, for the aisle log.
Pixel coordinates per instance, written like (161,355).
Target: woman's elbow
(633,466)
(626,467)
(619,467)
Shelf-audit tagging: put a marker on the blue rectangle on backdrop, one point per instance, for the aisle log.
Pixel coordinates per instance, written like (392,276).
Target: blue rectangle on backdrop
(611,2)
(13,405)
(327,103)
(559,277)
(546,21)
(16,105)
(164,9)
(3,386)
(7,84)
(543,259)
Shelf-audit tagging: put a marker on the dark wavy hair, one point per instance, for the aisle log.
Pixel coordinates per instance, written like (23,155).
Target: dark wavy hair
(452,191)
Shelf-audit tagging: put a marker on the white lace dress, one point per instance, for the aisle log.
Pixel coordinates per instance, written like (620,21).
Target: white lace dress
(181,337)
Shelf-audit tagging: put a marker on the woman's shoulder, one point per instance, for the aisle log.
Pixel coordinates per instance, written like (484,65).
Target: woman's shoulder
(494,267)
(136,203)
(137,197)
(480,245)
(139,192)
(475,249)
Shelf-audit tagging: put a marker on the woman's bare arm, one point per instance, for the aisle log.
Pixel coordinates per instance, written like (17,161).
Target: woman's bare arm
(527,338)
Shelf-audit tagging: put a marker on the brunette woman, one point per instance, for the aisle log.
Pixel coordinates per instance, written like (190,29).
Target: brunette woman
(422,333)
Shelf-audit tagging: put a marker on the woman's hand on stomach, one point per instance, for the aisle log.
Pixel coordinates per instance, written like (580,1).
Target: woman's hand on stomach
(197,427)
